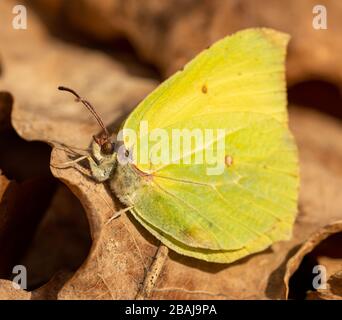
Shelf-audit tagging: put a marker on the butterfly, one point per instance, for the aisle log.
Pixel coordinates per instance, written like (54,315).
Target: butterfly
(231,189)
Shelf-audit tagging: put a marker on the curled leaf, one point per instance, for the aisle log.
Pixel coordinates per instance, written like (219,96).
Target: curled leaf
(121,260)
(9,292)
(311,244)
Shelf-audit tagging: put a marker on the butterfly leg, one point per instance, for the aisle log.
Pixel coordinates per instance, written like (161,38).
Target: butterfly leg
(68,164)
(71,164)
(71,150)
(118,214)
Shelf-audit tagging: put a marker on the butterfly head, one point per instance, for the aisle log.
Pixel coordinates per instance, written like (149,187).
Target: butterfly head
(106,146)
(103,148)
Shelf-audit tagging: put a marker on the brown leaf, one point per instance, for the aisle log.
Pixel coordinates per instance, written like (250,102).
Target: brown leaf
(6,102)
(170,33)
(61,243)
(9,292)
(49,291)
(54,117)
(20,213)
(120,264)
(332,292)
(335,283)
(313,243)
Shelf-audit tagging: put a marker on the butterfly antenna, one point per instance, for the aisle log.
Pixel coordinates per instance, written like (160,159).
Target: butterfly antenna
(90,108)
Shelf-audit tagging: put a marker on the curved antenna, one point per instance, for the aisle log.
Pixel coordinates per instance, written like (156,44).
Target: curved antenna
(89,107)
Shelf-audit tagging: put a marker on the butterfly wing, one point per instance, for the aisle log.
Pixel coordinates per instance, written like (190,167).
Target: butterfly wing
(238,85)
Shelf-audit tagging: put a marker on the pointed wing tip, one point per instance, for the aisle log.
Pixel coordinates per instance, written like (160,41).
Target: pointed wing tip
(278,38)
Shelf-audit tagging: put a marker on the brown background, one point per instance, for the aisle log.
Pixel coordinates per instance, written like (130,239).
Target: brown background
(114,53)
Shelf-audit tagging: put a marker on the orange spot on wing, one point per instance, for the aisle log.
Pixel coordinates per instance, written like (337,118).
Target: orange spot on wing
(228,160)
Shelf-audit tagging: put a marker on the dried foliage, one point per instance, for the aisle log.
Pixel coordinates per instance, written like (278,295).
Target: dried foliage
(124,260)
(325,246)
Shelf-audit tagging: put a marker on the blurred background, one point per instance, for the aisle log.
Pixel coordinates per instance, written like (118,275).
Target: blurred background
(135,45)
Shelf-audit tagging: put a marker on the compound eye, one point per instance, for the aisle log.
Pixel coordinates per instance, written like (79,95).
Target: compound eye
(107,148)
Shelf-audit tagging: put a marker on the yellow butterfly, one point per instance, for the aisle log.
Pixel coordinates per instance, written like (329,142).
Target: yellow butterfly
(242,196)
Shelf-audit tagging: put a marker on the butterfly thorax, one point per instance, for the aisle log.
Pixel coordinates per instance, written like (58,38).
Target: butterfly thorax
(127,181)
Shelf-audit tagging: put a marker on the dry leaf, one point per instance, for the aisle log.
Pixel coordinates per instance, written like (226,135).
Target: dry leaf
(120,264)
(169,33)
(6,101)
(61,241)
(332,292)
(49,291)
(52,116)
(335,283)
(20,213)
(322,250)
(8,292)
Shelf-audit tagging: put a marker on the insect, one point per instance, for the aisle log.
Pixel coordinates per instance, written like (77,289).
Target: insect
(244,200)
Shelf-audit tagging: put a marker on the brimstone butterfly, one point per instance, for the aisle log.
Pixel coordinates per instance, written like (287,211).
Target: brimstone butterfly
(238,86)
